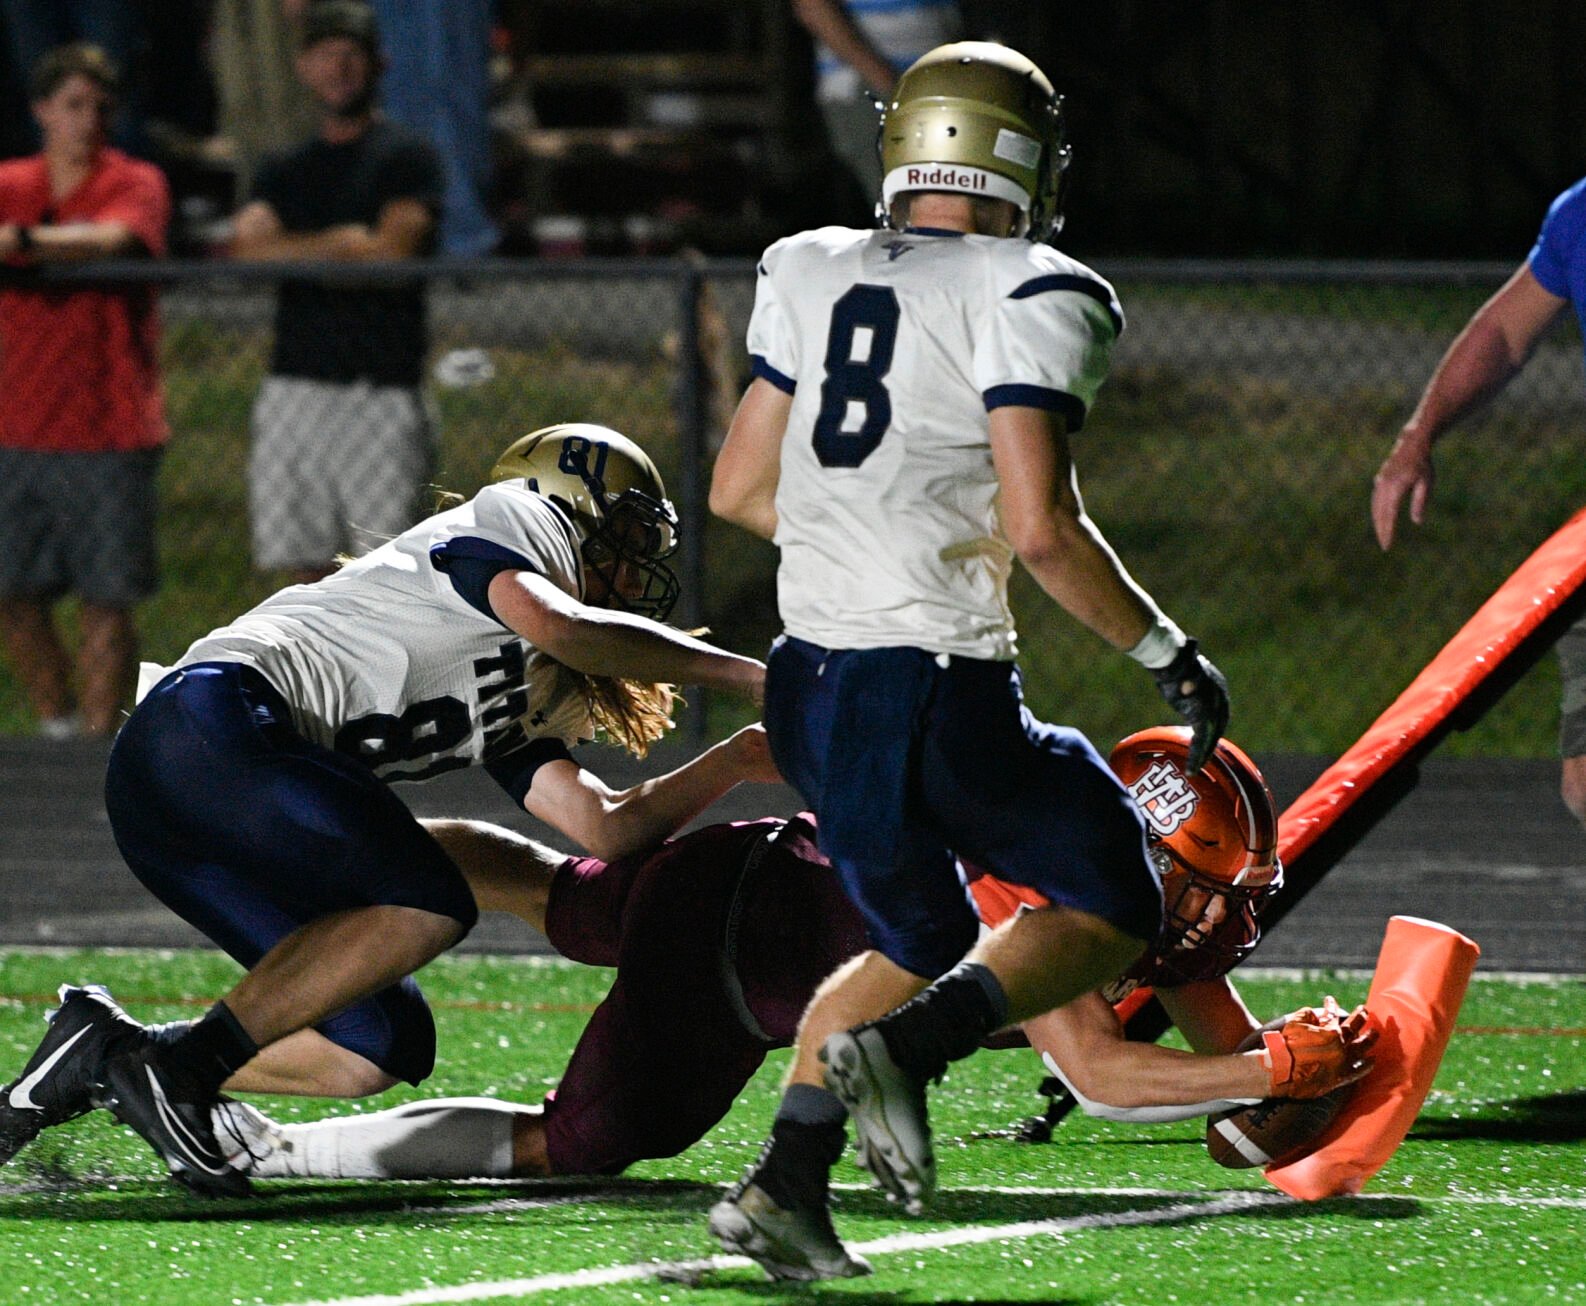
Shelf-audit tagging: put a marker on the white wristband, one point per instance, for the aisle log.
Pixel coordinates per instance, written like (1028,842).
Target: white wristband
(1159,645)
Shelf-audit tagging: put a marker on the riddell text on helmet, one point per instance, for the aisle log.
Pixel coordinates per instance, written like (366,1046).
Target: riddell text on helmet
(961,178)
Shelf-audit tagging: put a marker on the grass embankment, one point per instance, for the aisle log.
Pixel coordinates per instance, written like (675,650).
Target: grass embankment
(1241,505)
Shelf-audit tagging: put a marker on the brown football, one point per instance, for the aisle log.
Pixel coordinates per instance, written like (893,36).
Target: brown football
(1272,1131)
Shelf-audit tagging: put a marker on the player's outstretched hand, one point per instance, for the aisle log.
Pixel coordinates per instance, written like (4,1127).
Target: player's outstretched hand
(1197,691)
(1317,1050)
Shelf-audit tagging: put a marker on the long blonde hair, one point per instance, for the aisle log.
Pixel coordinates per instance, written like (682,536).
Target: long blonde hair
(630,713)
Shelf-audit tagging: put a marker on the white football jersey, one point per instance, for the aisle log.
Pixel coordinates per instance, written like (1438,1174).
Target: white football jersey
(894,346)
(386,661)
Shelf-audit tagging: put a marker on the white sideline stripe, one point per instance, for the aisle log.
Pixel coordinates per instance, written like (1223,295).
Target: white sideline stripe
(685,1270)
(1214,1204)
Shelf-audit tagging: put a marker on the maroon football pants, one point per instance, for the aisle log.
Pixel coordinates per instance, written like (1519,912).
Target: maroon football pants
(719,940)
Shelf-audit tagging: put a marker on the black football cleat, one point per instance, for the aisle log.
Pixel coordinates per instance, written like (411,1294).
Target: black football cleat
(57,1084)
(141,1093)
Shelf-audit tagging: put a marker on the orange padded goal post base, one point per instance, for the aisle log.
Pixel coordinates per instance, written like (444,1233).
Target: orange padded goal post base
(1422,972)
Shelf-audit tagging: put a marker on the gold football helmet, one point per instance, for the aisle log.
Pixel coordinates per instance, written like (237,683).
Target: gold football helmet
(981,119)
(614,496)
(1213,837)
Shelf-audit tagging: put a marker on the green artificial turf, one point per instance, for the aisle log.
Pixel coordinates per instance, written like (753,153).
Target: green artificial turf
(1483,1202)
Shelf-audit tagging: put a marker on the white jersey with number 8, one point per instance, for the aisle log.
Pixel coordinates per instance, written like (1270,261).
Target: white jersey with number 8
(894,346)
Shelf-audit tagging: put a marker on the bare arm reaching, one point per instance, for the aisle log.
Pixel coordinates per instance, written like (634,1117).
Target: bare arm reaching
(613,823)
(603,642)
(1046,523)
(1494,346)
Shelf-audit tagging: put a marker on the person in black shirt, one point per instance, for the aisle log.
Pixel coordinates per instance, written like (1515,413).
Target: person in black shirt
(342,439)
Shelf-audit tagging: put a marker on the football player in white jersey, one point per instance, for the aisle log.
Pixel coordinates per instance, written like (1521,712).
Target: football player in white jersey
(249,790)
(904,439)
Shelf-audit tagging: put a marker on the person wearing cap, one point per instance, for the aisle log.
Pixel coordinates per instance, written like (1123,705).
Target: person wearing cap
(905,438)
(343,440)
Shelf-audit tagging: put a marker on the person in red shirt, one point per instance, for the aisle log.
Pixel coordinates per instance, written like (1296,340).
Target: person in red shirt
(83,422)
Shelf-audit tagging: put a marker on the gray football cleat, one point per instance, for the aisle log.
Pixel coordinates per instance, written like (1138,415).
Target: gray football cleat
(57,1083)
(887,1106)
(794,1245)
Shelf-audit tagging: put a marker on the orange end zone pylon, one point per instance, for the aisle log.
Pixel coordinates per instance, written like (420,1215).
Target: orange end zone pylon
(1421,976)
(1505,638)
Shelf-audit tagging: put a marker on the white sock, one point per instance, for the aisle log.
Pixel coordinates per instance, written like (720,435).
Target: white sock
(445,1138)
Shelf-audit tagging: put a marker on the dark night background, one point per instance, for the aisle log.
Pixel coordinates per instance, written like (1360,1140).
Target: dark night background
(1344,128)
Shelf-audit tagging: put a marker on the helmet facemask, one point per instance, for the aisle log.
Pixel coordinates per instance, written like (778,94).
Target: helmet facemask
(1209,926)
(626,551)
(613,496)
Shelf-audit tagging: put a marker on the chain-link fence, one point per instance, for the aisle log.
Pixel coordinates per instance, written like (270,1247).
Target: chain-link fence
(1229,461)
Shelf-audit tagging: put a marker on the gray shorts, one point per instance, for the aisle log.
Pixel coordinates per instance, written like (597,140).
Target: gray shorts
(334,468)
(79,523)
(1572,669)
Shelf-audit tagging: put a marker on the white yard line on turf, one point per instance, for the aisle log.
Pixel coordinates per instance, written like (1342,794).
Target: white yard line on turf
(1214,1204)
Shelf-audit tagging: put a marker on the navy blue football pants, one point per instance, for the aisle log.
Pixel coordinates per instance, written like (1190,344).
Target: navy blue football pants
(247,830)
(907,761)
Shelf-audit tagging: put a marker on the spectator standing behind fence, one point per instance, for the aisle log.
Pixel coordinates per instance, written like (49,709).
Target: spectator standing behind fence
(82,422)
(342,440)
(1492,349)
(438,85)
(261,107)
(35,27)
(861,48)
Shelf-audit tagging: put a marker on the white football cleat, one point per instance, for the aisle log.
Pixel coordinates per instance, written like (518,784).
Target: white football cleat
(249,1139)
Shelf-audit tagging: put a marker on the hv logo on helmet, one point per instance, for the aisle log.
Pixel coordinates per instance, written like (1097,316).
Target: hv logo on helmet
(1166,797)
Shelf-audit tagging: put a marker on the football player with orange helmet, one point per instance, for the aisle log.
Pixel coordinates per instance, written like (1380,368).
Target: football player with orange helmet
(1213,838)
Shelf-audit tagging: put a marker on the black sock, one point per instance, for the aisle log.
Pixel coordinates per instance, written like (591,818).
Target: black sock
(947,1021)
(209,1052)
(806,1139)
(169,1032)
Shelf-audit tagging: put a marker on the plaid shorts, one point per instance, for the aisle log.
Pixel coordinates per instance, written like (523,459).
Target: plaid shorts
(79,523)
(334,468)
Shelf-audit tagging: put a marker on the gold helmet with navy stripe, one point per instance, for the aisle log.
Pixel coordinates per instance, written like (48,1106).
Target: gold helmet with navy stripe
(615,498)
(980,119)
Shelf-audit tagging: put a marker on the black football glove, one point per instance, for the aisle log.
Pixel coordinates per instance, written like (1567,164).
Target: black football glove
(1196,690)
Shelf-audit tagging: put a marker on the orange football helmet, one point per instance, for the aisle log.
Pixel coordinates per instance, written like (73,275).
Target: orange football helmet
(1214,840)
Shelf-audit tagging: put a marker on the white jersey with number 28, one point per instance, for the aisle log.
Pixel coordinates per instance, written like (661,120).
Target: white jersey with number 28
(895,346)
